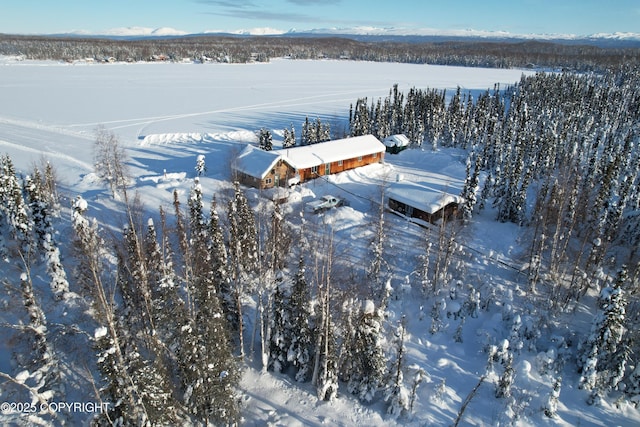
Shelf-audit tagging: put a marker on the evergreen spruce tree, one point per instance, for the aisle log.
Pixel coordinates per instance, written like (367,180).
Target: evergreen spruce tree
(396,394)
(38,209)
(13,206)
(503,389)
(183,240)
(243,252)
(45,379)
(201,165)
(208,370)
(470,187)
(301,338)
(167,308)
(597,361)
(42,212)
(279,337)
(219,258)
(289,137)
(144,364)
(361,121)
(265,139)
(305,136)
(368,365)
(551,406)
(118,388)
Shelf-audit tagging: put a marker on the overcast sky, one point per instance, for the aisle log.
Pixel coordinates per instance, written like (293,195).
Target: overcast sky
(576,17)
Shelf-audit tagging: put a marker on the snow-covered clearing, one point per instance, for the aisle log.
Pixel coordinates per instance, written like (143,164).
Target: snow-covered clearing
(166,115)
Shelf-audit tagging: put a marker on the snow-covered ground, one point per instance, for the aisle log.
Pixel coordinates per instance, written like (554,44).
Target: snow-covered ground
(166,115)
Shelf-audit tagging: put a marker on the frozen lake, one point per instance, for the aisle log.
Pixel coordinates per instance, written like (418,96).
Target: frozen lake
(145,98)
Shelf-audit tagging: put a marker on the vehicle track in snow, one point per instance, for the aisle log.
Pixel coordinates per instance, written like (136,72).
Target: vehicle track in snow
(338,97)
(33,140)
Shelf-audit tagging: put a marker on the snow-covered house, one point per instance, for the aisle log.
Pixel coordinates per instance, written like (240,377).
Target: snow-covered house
(266,169)
(420,203)
(326,158)
(261,169)
(396,143)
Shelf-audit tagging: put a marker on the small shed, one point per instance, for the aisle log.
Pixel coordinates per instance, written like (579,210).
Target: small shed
(421,203)
(396,143)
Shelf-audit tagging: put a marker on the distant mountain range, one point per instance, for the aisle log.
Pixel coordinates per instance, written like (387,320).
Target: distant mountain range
(618,39)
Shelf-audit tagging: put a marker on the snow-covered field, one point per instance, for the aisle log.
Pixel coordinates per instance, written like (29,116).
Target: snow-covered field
(166,115)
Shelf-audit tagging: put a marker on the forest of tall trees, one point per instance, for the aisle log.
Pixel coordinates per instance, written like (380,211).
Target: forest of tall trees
(168,296)
(559,155)
(221,48)
(567,141)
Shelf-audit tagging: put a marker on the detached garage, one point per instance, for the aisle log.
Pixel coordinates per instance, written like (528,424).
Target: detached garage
(420,203)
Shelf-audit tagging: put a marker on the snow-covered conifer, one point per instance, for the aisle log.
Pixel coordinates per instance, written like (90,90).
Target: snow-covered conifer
(596,361)
(503,388)
(14,207)
(550,407)
(396,394)
(42,212)
(279,337)
(470,187)
(219,258)
(305,136)
(45,378)
(207,368)
(301,340)
(201,165)
(265,139)
(38,209)
(289,137)
(167,308)
(368,363)
(243,251)
(439,304)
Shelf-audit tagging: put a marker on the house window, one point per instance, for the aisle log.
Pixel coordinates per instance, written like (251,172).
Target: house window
(327,169)
(374,155)
(359,158)
(339,162)
(268,181)
(314,170)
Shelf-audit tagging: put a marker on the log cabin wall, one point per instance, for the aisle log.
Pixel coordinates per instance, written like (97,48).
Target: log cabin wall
(339,166)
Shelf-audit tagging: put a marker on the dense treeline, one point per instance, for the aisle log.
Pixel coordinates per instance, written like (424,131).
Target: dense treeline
(505,54)
(560,156)
(575,135)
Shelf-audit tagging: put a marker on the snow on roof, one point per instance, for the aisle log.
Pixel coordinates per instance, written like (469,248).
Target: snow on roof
(256,162)
(399,140)
(421,196)
(331,151)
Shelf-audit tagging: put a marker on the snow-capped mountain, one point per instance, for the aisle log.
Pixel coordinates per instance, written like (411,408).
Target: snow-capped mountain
(367,31)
